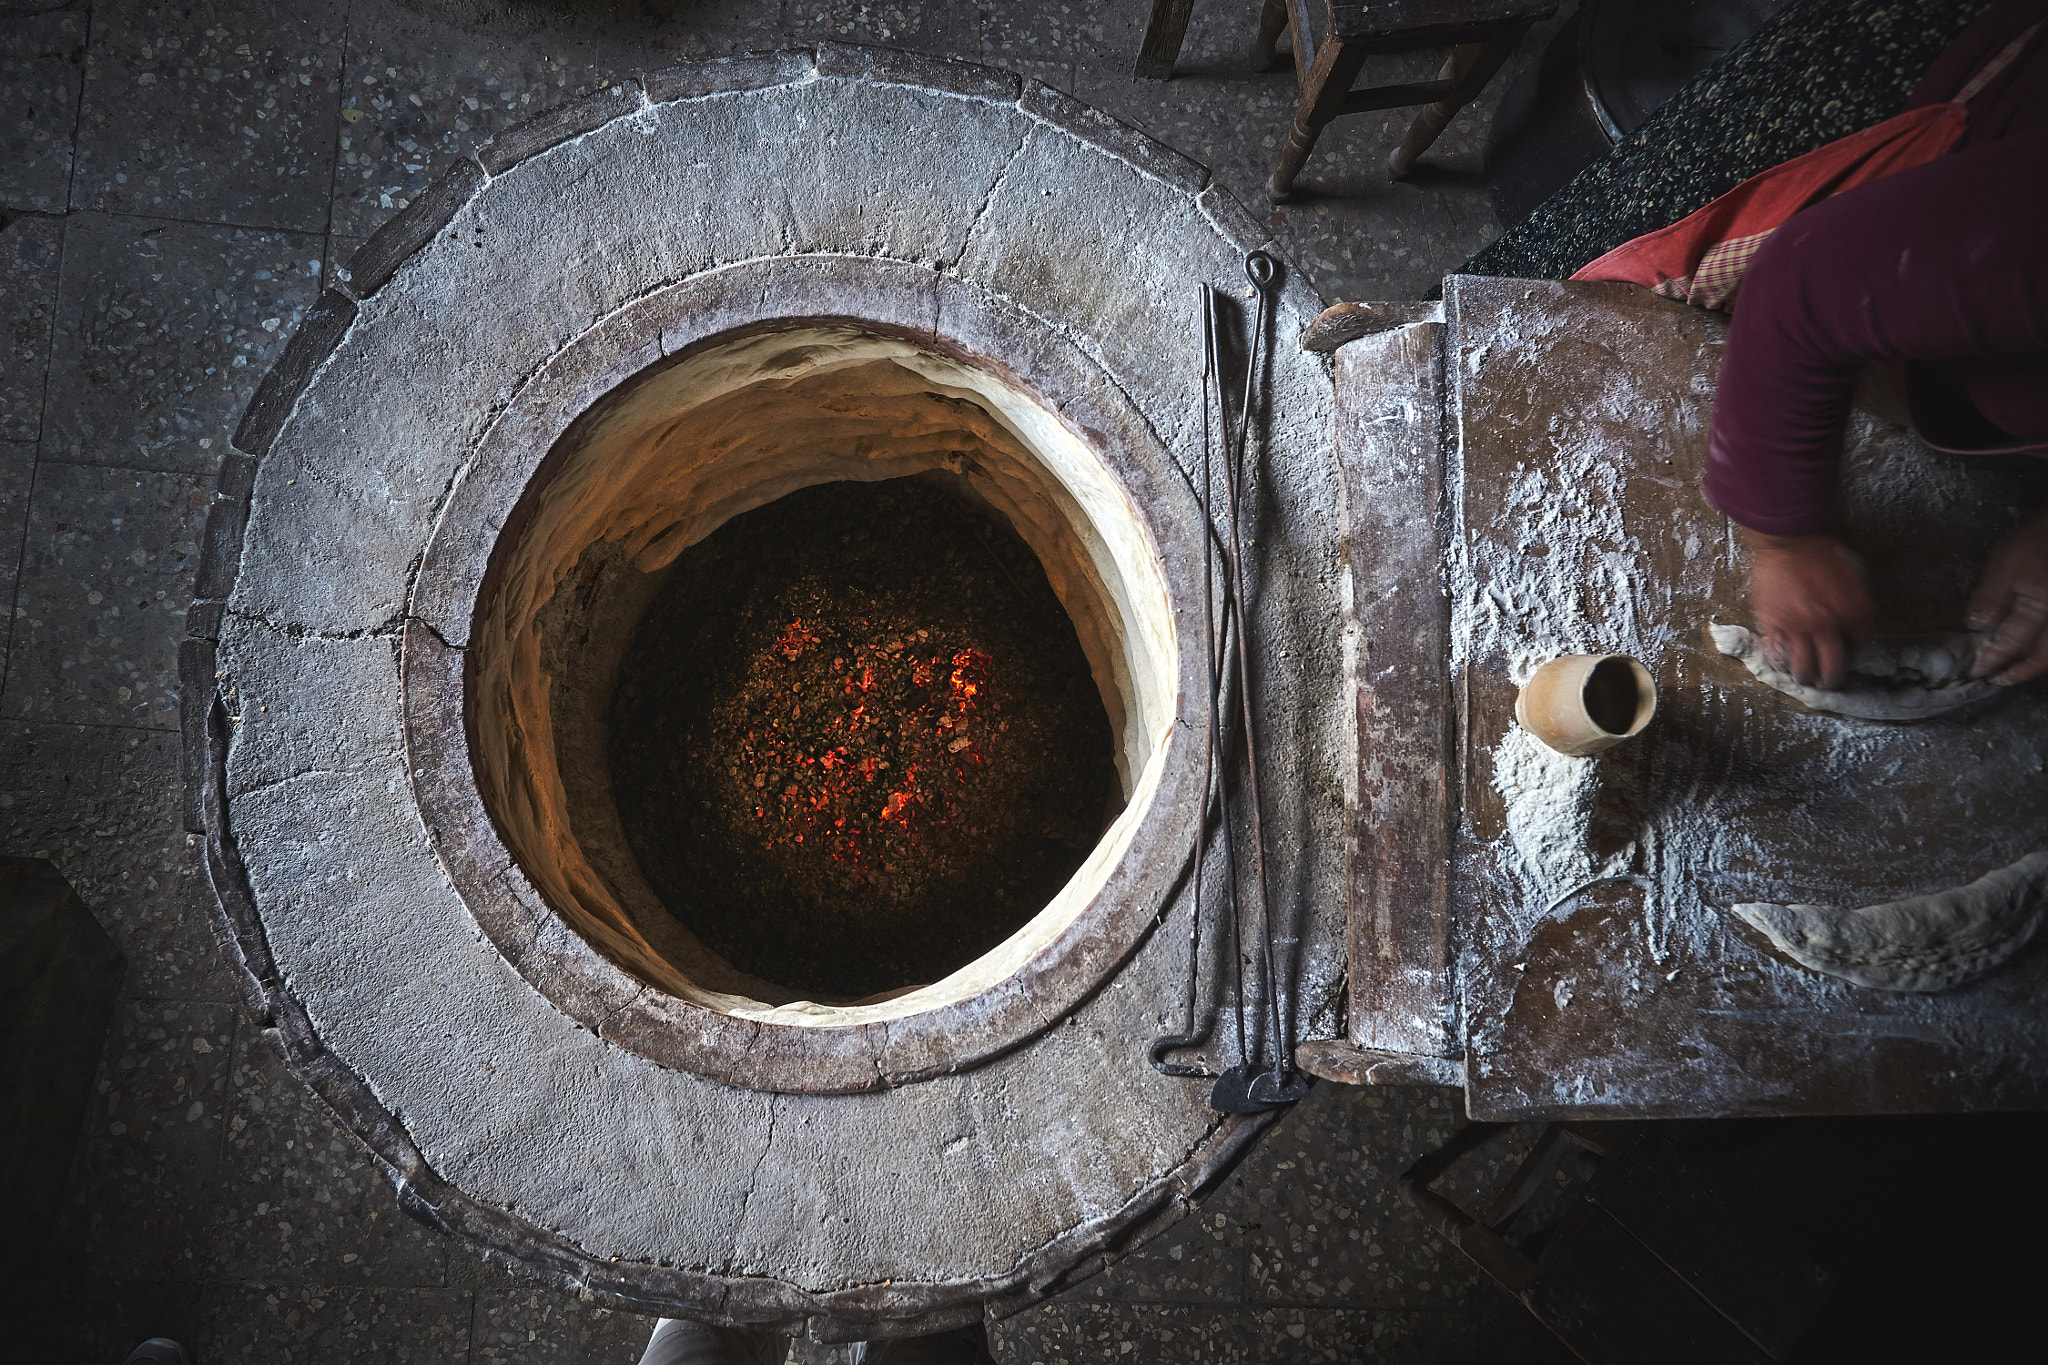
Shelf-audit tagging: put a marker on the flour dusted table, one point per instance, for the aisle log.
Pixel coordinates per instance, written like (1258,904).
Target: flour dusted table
(1554,933)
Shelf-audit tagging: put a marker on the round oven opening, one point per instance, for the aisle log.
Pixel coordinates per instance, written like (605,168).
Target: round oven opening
(820,677)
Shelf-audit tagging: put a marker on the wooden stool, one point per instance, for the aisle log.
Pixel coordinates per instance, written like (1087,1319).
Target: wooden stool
(1480,34)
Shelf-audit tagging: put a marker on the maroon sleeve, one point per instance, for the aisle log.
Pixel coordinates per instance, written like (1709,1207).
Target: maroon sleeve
(2013,101)
(1946,260)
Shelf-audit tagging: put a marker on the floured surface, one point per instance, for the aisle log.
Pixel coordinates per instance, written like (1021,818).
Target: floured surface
(1599,969)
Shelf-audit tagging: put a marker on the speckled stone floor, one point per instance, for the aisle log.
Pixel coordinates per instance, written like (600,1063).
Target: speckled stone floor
(176,179)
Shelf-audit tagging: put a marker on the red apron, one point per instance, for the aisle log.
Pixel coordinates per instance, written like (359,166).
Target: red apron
(1700,258)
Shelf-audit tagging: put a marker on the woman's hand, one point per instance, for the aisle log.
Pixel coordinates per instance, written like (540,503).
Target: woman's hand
(2011,605)
(1811,602)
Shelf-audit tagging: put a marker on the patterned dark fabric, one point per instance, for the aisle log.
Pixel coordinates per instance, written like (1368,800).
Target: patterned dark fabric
(1817,70)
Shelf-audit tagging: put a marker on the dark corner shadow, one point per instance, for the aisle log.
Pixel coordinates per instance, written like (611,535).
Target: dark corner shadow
(1428,177)
(525,18)
(1217,70)
(1364,187)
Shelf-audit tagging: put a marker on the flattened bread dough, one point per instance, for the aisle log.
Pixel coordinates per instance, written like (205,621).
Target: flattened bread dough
(1896,680)
(1929,943)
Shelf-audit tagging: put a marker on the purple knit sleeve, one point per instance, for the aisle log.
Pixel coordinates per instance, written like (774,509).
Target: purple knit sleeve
(1947,260)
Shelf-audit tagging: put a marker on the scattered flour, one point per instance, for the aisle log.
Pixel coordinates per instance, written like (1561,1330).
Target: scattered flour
(1551,568)
(1554,571)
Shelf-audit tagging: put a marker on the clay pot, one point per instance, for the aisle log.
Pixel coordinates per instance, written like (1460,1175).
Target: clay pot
(1579,704)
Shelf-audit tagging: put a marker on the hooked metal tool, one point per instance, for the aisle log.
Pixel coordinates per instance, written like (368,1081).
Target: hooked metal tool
(1251,1086)
(1212,792)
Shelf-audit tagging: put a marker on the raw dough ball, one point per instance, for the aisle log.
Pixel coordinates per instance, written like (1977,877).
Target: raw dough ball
(1888,680)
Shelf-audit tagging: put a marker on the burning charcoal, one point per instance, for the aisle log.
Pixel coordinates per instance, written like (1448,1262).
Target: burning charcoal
(926,743)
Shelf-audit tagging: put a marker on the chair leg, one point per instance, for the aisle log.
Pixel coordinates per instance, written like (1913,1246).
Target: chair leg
(1322,99)
(1470,67)
(1492,1252)
(1266,47)
(1164,31)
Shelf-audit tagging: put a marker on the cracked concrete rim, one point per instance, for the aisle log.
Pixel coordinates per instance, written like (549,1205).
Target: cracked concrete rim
(500,1115)
(597,984)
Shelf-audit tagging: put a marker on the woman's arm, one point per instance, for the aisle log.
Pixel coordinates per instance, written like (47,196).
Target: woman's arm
(1946,260)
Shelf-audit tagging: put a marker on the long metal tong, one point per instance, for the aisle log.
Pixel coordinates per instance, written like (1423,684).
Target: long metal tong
(1251,1086)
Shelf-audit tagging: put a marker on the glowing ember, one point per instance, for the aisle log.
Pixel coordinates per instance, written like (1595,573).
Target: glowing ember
(896,749)
(854,759)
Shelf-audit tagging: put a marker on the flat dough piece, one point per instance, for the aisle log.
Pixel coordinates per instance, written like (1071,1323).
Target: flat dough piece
(1888,680)
(1929,943)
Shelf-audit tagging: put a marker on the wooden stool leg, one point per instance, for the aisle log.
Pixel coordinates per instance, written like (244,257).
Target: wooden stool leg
(1266,47)
(1164,32)
(1469,69)
(1322,99)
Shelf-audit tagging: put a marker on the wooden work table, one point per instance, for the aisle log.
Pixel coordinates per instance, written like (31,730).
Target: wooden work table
(1522,481)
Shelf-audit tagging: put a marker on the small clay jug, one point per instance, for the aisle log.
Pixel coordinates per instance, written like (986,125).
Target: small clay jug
(1579,704)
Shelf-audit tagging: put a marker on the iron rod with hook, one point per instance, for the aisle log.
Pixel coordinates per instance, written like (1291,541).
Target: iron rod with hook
(1213,645)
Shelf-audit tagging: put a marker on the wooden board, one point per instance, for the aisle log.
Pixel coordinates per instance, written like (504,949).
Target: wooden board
(1576,428)
(1390,414)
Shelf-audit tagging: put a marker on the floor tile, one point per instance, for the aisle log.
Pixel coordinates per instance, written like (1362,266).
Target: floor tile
(1217,39)
(1058,75)
(1201,1260)
(422,91)
(106,576)
(17,471)
(30,247)
(940,26)
(312,1325)
(1499,1331)
(1017,36)
(308,1204)
(225,116)
(41,60)
(1065,1330)
(1227,117)
(1328,1223)
(98,1321)
(1356,234)
(148,1165)
(1399,248)
(104,804)
(164,330)
(533,1326)
(635,34)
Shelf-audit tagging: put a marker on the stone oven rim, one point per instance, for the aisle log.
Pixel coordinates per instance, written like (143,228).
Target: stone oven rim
(935,311)
(902,1306)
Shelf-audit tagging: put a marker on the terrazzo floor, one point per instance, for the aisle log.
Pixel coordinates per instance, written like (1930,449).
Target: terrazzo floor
(176,180)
